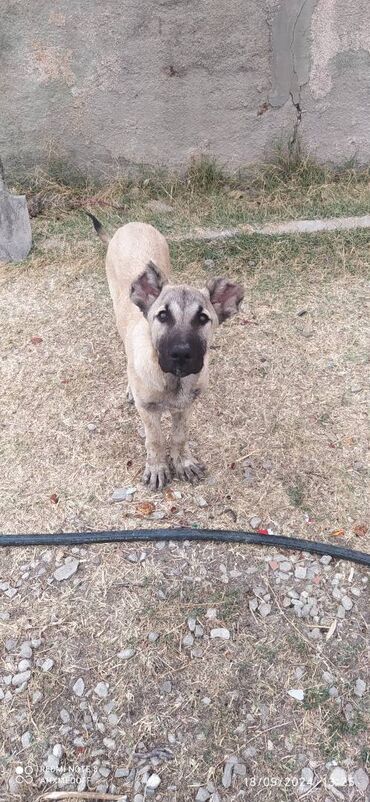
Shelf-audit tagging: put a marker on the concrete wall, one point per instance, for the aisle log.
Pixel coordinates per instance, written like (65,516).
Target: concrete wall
(103,84)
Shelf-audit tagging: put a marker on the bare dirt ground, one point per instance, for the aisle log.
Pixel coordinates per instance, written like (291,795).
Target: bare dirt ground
(126,688)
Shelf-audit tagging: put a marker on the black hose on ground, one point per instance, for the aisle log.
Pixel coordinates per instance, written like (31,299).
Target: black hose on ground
(178,535)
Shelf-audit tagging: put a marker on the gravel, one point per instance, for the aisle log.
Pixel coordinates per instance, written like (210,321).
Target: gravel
(79,687)
(123,494)
(66,570)
(220,632)
(361,779)
(296,693)
(102,689)
(19,679)
(126,654)
(153,782)
(47,665)
(338,777)
(203,795)
(360,687)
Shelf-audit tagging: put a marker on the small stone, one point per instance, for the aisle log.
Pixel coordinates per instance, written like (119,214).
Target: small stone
(333,692)
(264,609)
(211,613)
(109,743)
(64,715)
(360,687)
(153,637)
(11,592)
(285,566)
(192,622)
(119,773)
(26,740)
(66,570)
(153,782)
(255,521)
(198,632)
(166,686)
(220,632)
(296,693)
(25,650)
(326,559)
(253,604)
(58,750)
(187,640)
(47,665)
(341,613)
(79,687)
(300,572)
(101,689)
(126,654)
(203,795)
(201,501)
(23,665)
(19,679)
(347,603)
(361,779)
(123,494)
(228,771)
(209,264)
(338,777)
(36,697)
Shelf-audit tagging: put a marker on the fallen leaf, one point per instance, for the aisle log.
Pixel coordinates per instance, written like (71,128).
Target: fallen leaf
(337,533)
(360,529)
(173,510)
(169,494)
(145,508)
(54,498)
(129,463)
(36,340)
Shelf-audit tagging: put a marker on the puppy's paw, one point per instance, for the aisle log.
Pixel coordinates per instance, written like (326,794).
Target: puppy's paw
(187,469)
(157,475)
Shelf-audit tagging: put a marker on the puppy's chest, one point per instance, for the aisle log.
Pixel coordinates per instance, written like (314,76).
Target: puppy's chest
(176,397)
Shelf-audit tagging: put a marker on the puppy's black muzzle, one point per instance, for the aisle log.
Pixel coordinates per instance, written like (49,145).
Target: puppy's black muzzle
(181,358)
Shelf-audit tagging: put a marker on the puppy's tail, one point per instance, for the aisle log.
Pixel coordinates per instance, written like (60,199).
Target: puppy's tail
(100,230)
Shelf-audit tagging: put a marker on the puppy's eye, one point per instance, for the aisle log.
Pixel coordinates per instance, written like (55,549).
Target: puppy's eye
(203,319)
(162,316)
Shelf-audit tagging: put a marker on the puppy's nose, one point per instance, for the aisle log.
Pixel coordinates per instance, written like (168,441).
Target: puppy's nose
(180,353)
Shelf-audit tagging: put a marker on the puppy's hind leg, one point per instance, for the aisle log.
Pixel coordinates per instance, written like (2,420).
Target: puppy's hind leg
(184,465)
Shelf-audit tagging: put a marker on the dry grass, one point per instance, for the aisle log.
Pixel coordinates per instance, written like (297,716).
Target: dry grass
(287,404)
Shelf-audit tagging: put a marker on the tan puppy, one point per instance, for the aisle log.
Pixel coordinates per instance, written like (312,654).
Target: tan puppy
(167,330)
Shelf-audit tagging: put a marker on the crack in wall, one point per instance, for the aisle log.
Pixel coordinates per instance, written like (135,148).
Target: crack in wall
(294,141)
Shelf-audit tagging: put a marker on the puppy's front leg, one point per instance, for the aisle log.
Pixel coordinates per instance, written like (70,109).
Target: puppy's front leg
(183,463)
(157,472)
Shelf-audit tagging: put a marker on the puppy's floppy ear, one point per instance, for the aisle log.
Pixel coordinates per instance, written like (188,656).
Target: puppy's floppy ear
(146,288)
(225,297)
